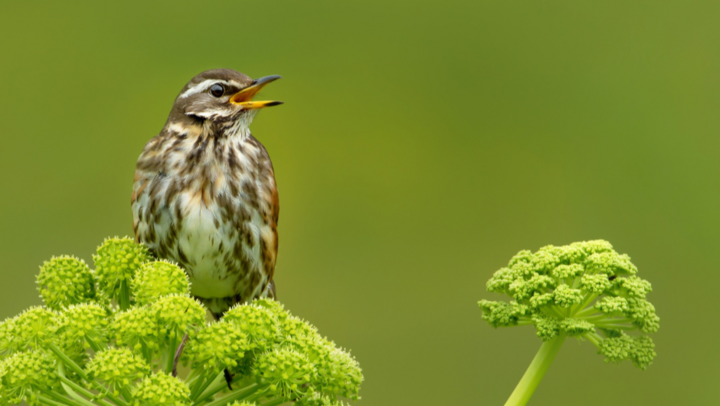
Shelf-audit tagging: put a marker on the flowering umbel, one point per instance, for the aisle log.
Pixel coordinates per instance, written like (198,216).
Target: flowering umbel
(113,336)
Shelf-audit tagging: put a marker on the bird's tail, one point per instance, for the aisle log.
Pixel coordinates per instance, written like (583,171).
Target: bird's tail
(219,305)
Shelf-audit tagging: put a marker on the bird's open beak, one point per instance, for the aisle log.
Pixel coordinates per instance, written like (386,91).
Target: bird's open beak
(244,97)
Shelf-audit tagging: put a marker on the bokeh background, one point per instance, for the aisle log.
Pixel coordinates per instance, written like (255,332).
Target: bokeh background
(422,144)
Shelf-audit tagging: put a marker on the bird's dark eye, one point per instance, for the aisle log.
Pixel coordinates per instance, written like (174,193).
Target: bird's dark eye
(217,90)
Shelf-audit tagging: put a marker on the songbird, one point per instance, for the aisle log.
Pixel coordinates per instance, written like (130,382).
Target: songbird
(204,194)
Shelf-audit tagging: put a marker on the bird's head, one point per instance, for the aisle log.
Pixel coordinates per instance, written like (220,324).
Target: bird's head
(221,96)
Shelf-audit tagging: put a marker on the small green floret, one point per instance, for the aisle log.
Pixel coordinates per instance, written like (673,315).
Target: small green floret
(161,389)
(85,325)
(9,341)
(259,324)
(286,371)
(178,315)
(217,346)
(64,281)
(25,372)
(136,328)
(159,278)
(35,327)
(117,261)
(340,374)
(117,368)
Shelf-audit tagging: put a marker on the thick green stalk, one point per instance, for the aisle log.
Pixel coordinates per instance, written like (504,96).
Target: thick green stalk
(274,402)
(48,401)
(535,372)
(205,391)
(236,395)
(67,361)
(124,300)
(170,356)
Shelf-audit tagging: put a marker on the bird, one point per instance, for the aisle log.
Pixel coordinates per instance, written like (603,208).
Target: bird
(204,193)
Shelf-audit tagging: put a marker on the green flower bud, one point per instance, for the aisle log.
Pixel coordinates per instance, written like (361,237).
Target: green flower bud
(275,307)
(117,367)
(217,346)
(35,327)
(116,262)
(161,390)
(257,322)
(9,341)
(294,326)
(82,324)
(65,281)
(339,374)
(619,347)
(159,278)
(286,371)
(547,327)
(178,315)
(4,397)
(26,371)
(136,328)
(566,296)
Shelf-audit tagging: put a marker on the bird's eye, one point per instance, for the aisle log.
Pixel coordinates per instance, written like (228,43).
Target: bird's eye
(217,90)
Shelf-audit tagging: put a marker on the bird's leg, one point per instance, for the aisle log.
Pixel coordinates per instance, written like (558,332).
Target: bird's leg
(228,378)
(178,353)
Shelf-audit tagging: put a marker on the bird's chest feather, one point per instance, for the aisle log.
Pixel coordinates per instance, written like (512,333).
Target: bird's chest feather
(208,211)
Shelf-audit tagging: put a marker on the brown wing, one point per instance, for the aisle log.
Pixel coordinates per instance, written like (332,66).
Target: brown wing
(271,209)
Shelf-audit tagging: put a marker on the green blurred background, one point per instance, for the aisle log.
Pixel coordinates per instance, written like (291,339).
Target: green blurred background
(422,144)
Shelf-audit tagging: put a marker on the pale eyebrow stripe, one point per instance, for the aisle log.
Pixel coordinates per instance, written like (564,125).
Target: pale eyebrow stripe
(201,87)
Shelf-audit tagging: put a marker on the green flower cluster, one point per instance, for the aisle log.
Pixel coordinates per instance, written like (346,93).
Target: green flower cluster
(584,290)
(112,337)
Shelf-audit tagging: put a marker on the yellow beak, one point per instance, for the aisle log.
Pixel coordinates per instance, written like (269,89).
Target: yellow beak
(244,97)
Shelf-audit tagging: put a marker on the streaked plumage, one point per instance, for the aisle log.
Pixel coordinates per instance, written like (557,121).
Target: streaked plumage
(204,193)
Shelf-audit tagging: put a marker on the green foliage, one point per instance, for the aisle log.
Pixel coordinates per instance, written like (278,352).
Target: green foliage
(584,290)
(117,348)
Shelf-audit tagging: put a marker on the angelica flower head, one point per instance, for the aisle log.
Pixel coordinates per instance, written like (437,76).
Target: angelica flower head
(159,278)
(287,372)
(25,372)
(218,346)
(178,315)
(65,281)
(136,328)
(117,261)
(35,327)
(584,290)
(83,324)
(9,341)
(258,323)
(161,389)
(117,368)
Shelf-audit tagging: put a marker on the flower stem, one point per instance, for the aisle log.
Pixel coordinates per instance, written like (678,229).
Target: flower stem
(535,372)
(236,395)
(170,356)
(67,361)
(124,299)
(274,402)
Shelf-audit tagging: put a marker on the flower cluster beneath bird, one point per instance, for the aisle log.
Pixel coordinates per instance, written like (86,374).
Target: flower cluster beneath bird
(112,336)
